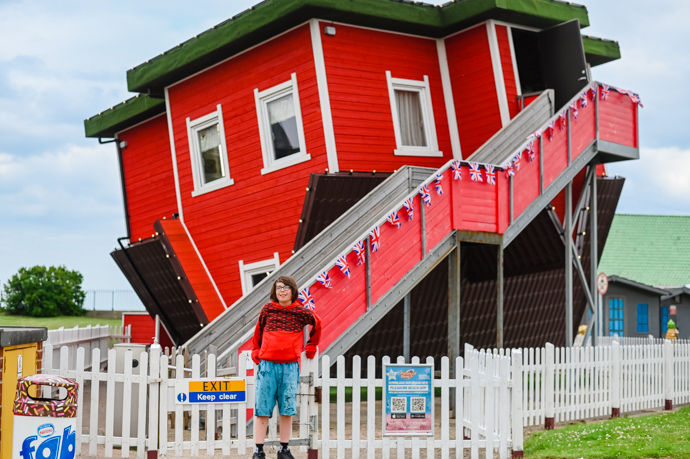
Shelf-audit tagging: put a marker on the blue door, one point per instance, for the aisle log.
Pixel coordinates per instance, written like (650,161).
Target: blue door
(664,321)
(615,317)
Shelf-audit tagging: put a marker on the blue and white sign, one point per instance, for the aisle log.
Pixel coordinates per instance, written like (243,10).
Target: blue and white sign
(408,394)
(210,390)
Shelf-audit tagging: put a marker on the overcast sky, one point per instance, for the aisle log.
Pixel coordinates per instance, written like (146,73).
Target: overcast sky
(61,62)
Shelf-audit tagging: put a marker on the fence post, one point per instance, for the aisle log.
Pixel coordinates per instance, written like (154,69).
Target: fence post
(516,417)
(615,379)
(668,375)
(549,380)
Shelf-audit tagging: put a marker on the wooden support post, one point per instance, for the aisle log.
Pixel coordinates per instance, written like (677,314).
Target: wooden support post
(453,315)
(594,255)
(568,240)
(406,326)
(499,296)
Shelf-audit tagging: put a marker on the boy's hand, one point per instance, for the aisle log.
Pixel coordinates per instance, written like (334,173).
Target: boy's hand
(310,352)
(255,357)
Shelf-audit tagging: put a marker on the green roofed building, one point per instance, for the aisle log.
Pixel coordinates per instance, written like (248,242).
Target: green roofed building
(647,261)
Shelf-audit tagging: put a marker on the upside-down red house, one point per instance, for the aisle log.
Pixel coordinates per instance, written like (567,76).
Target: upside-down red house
(430,175)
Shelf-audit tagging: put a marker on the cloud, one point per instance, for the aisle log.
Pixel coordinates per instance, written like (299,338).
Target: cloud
(656,183)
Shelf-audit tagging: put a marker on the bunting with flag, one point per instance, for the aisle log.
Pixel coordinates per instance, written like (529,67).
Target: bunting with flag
(424,193)
(456,168)
(573,109)
(530,151)
(306,299)
(604,92)
(475,173)
(343,265)
(394,220)
(509,169)
(439,190)
(564,121)
(409,207)
(583,100)
(516,161)
(551,130)
(324,280)
(490,174)
(593,91)
(375,236)
(360,251)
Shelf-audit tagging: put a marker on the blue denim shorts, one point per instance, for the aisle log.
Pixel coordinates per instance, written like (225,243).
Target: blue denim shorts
(277,382)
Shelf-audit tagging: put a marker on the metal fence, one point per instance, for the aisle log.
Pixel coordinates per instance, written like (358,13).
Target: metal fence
(112,300)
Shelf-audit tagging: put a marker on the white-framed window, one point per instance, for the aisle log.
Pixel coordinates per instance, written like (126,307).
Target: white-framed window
(280,126)
(253,273)
(208,152)
(413,117)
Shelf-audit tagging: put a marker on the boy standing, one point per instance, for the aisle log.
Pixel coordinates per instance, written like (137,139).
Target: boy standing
(276,349)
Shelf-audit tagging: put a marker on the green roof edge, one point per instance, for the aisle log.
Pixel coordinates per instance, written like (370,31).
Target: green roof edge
(417,18)
(400,16)
(600,51)
(123,115)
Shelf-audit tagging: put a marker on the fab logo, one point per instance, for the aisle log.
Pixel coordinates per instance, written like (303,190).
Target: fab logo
(54,447)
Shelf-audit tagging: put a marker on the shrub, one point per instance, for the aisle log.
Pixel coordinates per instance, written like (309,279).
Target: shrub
(44,292)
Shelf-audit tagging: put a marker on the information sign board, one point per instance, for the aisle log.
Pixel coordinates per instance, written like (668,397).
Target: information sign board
(408,394)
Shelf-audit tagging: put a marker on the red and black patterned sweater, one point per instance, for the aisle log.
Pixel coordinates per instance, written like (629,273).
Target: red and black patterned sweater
(278,335)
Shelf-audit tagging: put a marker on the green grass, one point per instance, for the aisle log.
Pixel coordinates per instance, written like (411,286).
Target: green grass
(663,435)
(54,322)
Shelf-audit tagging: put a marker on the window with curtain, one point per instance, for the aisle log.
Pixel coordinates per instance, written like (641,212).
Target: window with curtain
(281,116)
(280,126)
(642,318)
(211,151)
(208,152)
(616,321)
(410,118)
(413,117)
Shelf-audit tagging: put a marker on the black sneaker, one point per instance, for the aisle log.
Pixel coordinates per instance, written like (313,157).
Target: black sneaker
(259,455)
(285,455)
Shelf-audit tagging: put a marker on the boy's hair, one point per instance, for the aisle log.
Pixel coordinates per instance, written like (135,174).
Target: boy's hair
(286,280)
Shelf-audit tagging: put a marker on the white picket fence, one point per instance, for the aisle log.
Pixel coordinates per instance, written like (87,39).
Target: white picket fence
(90,337)
(592,382)
(482,407)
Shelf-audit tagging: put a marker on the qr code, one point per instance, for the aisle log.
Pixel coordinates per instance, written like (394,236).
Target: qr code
(398,405)
(417,405)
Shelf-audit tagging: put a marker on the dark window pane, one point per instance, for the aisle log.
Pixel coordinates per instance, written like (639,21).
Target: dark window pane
(256,278)
(281,115)
(210,146)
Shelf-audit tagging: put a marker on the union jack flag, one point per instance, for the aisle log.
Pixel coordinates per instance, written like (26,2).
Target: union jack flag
(475,173)
(424,193)
(324,280)
(359,250)
(344,267)
(593,91)
(439,177)
(306,299)
(530,151)
(490,174)
(409,207)
(634,97)
(564,121)
(393,219)
(516,161)
(509,169)
(583,100)
(573,109)
(605,91)
(551,130)
(536,134)
(457,171)
(375,236)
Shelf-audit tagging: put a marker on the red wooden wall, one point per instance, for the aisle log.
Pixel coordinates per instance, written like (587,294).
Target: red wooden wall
(149,181)
(356,63)
(508,69)
(474,87)
(144,329)
(259,214)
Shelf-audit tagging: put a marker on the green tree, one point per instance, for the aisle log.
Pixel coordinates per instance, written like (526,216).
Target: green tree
(44,292)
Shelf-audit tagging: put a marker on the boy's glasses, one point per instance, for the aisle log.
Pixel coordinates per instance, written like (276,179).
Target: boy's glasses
(282,288)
